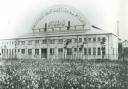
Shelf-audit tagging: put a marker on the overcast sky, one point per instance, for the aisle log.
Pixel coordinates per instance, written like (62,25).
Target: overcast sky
(18,16)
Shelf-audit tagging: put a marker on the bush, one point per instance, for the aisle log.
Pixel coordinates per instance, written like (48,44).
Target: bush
(39,74)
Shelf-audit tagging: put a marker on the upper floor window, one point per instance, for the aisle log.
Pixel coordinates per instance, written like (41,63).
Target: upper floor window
(44,41)
(103,40)
(70,40)
(60,41)
(80,40)
(85,39)
(22,42)
(18,42)
(94,39)
(36,41)
(89,39)
(75,40)
(52,41)
(98,38)
(29,42)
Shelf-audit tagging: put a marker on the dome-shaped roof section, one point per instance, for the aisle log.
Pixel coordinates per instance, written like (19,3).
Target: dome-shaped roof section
(60,16)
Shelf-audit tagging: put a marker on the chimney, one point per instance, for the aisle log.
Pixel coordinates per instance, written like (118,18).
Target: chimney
(45,28)
(69,24)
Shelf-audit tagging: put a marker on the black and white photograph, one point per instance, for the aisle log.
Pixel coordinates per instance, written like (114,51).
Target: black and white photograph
(64,44)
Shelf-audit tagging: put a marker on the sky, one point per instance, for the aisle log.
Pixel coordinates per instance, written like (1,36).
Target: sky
(17,17)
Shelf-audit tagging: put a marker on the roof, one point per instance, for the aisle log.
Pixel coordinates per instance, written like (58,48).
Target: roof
(92,31)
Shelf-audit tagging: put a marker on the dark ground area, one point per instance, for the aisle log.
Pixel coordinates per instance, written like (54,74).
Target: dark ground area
(43,74)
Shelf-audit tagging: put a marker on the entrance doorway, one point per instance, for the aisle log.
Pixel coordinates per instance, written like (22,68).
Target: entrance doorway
(44,53)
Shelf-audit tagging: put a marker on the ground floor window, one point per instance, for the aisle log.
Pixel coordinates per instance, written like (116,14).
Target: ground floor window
(85,51)
(80,49)
(18,50)
(23,51)
(29,51)
(103,51)
(2,51)
(99,51)
(60,50)
(89,51)
(69,51)
(36,51)
(7,51)
(75,49)
(94,51)
(52,51)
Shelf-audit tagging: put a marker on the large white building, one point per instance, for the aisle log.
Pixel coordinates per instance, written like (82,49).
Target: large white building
(62,33)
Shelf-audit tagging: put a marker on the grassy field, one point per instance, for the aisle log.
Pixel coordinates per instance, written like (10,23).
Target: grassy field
(42,74)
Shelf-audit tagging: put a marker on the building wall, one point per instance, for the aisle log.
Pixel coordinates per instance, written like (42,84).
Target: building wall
(78,48)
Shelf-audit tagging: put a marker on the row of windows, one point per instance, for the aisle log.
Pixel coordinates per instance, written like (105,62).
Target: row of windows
(60,41)
(87,51)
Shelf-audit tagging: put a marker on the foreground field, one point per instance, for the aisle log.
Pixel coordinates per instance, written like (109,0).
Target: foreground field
(40,74)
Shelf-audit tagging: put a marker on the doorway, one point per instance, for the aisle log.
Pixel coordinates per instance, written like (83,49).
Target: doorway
(44,53)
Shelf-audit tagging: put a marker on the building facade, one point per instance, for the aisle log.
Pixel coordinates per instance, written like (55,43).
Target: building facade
(62,32)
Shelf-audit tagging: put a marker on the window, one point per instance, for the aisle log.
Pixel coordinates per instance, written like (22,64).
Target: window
(85,51)
(69,40)
(103,51)
(98,38)
(94,39)
(29,51)
(52,51)
(80,49)
(103,40)
(99,51)
(7,51)
(18,43)
(89,39)
(22,42)
(44,41)
(29,42)
(60,41)
(75,49)
(36,51)
(18,50)
(75,40)
(94,51)
(85,39)
(89,51)
(60,50)
(12,52)
(51,41)
(80,40)
(15,51)
(2,51)
(69,51)
(113,51)
(23,51)
(36,41)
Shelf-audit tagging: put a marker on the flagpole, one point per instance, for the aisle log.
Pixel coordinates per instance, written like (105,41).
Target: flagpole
(118,28)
